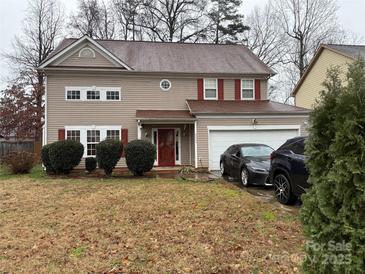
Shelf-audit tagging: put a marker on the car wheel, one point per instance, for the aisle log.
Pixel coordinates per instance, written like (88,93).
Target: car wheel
(282,189)
(244,177)
(222,169)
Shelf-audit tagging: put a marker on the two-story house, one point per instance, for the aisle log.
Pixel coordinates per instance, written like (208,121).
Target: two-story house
(191,100)
(309,87)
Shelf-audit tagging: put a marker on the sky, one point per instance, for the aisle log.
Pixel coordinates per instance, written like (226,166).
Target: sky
(350,13)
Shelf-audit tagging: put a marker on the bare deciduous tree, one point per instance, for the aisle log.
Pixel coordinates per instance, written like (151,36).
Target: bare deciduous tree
(41,29)
(93,18)
(307,23)
(177,20)
(265,37)
(127,14)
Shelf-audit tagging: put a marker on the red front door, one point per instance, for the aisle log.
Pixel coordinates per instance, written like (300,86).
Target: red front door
(166,147)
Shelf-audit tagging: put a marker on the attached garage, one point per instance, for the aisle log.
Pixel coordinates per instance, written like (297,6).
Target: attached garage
(220,138)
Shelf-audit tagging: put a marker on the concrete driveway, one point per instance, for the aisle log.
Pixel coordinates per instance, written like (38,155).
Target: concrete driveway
(263,193)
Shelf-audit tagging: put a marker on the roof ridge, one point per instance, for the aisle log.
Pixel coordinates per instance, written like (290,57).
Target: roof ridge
(160,42)
(345,45)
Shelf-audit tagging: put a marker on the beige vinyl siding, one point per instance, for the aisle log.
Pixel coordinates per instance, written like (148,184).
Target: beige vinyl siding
(203,123)
(136,93)
(310,89)
(98,61)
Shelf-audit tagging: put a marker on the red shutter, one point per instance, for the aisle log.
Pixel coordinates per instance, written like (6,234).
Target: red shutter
(237,89)
(257,89)
(220,89)
(124,138)
(61,134)
(200,89)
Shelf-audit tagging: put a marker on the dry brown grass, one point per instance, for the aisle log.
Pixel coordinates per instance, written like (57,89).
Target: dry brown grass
(141,226)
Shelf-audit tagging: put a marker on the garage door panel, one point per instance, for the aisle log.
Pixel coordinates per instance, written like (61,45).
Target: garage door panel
(220,140)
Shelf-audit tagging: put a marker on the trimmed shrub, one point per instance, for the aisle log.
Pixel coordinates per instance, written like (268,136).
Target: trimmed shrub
(19,162)
(140,156)
(333,211)
(108,153)
(90,164)
(45,158)
(65,155)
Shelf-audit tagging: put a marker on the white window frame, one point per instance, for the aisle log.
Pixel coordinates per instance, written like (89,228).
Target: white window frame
(216,89)
(155,142)
(165,89)
(86,48)
(83,133)
(83,93)
(253,89)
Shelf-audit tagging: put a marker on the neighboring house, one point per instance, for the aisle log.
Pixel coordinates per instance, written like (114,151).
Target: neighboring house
(191,100)
(309,86)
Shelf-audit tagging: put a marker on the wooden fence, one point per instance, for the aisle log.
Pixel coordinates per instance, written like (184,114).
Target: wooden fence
(8,146)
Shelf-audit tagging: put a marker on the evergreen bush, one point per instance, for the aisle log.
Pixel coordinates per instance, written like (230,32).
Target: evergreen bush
(65,155)
(108,153)
(333,211)
(140,156)
(90,164)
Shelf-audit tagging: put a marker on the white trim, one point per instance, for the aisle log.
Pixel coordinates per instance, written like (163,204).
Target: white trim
(139,130)
(153,130)
(196,143)
(45,127)
(244,116)
(216,88)
(83,133)
(253,93)
(254,127)
(248,128)
(86,48)
(178,162)
(78,42)
(83,93)
(165,89)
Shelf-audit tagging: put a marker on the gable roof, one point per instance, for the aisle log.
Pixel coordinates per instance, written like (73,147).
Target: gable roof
(349,51)
(146,56)
(65,47)
(243,107)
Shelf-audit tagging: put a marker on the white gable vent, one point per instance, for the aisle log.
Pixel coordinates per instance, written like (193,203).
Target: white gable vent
(87,53)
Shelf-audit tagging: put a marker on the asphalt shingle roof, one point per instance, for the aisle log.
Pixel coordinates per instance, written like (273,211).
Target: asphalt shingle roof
(181,57)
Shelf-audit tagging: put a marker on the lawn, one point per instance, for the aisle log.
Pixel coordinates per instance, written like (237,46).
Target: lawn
(60,225)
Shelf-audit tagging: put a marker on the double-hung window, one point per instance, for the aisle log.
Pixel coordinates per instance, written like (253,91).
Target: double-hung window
(210,89)
(93,138)
(112,134)
(247,89)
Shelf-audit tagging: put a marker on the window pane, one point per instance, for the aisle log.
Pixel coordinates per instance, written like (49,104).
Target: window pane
(247,84)
(93,95)
(112,95)
(210,83)
(73,135)
(73,95)
(112,134)
(93,136)
(247,93)
(91,149)
(210,93)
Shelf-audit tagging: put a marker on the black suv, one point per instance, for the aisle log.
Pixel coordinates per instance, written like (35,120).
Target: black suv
(288,173)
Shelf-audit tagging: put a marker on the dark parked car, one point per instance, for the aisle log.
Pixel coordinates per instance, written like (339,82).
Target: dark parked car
(288,173)
(248,162)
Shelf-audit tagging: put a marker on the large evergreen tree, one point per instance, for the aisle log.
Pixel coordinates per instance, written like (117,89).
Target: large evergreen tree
(227,22)
(333,211)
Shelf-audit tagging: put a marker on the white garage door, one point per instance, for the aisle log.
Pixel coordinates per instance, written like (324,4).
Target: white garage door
(220,140)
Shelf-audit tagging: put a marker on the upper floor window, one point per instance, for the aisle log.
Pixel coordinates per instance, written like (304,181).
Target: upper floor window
(112,95)
(210,89)
(247,89)
(92,93)
(73,95)
(165,85)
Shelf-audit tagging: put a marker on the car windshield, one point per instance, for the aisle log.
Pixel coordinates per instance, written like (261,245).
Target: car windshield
(256,151)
